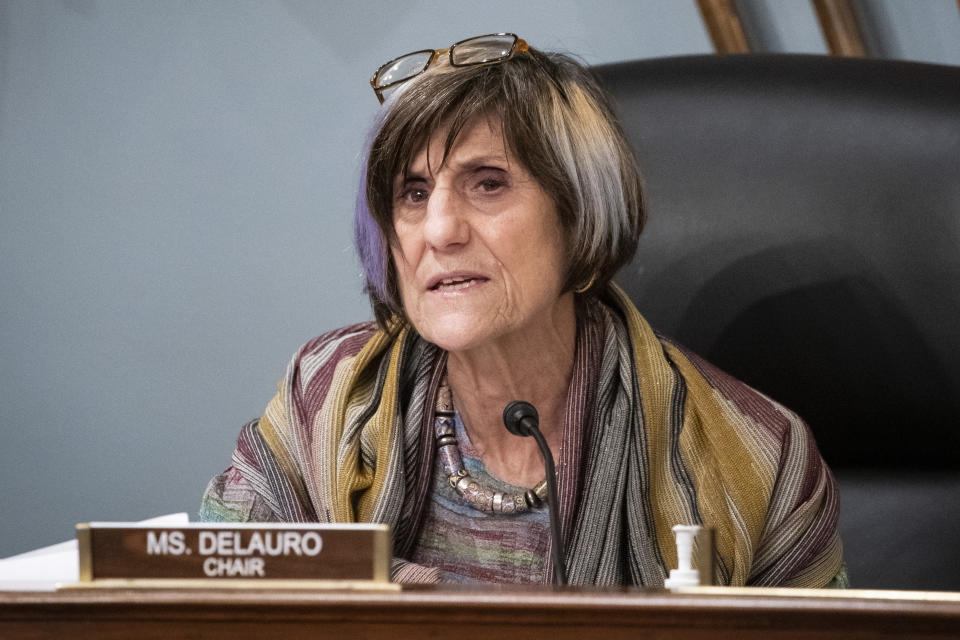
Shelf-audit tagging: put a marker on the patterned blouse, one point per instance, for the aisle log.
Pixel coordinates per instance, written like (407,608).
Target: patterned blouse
(473,546)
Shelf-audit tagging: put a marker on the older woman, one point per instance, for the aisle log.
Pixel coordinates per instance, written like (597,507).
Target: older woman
(499,199)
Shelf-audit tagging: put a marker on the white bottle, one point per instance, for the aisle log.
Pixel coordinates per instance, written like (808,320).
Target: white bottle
(685,575)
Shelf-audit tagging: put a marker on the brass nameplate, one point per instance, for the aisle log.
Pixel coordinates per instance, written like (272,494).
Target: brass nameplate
(111,551)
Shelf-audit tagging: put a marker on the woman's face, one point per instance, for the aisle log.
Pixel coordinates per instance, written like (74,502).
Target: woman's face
(479,251)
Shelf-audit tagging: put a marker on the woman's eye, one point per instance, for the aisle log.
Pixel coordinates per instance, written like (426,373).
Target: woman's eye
(491,184)
(415,195)
(490,181)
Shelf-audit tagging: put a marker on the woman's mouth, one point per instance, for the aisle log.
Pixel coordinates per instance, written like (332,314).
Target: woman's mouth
(457,283)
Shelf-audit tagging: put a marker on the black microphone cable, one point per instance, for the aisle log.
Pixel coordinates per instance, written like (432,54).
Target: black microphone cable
(521,419)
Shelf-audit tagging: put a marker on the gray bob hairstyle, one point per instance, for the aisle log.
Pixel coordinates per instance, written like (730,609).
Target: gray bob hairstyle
(558,123)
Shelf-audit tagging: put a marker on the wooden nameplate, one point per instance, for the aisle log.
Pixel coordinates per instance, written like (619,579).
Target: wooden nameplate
(115,554)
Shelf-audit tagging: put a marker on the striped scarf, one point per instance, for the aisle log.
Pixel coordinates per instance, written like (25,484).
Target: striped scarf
(653,436)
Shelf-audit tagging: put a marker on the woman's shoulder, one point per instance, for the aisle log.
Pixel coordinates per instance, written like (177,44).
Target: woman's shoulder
(749,402)
(311,369)
(338,343)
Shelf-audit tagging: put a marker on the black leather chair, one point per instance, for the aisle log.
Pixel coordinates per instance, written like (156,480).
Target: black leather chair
(804,235)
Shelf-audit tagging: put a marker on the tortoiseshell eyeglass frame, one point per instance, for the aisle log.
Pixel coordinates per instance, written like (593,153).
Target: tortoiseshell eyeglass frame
(519,45)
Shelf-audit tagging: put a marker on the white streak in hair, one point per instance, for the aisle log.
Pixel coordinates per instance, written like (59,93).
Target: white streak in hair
(587,147)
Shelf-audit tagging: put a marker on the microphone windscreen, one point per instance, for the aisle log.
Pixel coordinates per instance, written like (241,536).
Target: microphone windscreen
(514,415)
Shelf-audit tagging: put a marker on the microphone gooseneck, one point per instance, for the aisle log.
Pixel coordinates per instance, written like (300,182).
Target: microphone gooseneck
(521,419)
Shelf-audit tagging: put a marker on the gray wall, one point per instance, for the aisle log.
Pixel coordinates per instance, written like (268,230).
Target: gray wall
(176,189)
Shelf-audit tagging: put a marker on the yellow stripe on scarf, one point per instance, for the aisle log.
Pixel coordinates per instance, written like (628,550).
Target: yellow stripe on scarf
(733,488)
(383,423)
(734,482)
(351,389)
(656,383)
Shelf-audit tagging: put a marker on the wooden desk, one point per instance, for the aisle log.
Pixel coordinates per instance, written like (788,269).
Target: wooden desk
(452,613)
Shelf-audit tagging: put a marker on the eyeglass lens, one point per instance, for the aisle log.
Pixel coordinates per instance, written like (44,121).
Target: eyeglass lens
(482,49)
(403,68)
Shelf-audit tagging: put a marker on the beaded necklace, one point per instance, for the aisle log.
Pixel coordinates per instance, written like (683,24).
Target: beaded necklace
(479,497)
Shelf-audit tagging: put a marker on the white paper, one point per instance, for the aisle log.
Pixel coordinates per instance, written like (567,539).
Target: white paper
(41,569)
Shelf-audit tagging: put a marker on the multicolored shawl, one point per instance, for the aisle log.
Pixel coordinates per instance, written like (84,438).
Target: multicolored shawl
(653,437)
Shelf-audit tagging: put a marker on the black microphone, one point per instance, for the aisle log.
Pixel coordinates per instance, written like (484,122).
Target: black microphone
(521,419)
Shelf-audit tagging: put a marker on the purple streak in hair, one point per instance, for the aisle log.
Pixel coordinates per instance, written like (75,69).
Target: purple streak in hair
(368,239)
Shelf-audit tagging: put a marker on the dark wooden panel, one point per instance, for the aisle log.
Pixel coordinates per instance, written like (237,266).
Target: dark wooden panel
(723,24)
(841,28)
(490,612)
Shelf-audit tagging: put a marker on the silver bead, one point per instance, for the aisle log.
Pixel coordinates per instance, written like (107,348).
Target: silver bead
(532,499)
(541,490)
(462,484)
(451,460)
(444,399)
(445,426)
(520,503)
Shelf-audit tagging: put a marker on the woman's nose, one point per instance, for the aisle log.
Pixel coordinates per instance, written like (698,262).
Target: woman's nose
(445,225)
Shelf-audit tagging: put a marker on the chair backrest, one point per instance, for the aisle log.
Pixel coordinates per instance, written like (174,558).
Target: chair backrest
(804,235)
